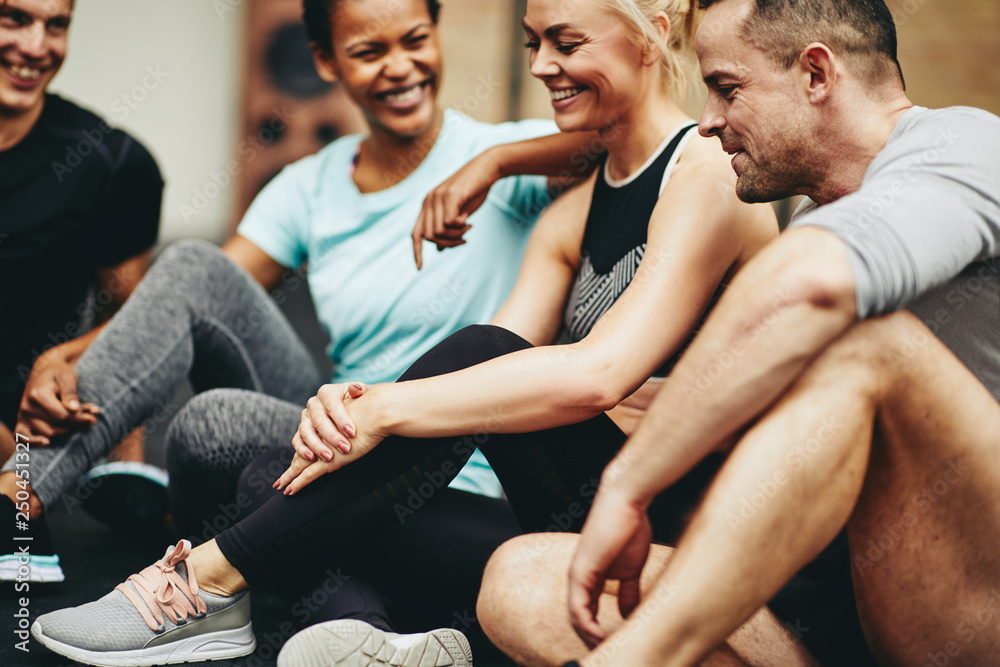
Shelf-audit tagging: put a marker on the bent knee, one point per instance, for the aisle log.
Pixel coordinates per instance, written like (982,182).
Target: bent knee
(195,261)
(193,435)
(524,566)
(190,253)
(466,347)
(886,329)
(531,554)
(874,348)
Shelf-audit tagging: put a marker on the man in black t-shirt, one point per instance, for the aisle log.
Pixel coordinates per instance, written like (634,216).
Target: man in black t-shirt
(79,215)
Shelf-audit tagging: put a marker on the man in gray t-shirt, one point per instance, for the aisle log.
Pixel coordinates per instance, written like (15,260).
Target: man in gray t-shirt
(923,231)
(851,374)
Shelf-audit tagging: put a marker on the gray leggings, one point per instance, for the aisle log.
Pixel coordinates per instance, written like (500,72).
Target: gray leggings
(195,315)
(210,442)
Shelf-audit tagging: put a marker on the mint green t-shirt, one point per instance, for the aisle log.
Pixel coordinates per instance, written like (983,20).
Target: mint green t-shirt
(380,312)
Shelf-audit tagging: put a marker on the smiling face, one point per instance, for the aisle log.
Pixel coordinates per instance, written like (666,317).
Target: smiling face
(757,109)
(586,57)
(32,49)
(387,56)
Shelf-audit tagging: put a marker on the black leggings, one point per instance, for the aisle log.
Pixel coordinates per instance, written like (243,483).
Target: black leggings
(550,478)
(409,576)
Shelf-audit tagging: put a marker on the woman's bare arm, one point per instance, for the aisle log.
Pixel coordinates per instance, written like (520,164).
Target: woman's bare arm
(534,308)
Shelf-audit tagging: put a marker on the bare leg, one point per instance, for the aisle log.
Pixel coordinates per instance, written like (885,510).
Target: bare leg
(925,565)
(925,537)
(215,573)
(132,448)
(522,607)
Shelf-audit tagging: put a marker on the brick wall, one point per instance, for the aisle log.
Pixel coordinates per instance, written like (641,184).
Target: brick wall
(950,50)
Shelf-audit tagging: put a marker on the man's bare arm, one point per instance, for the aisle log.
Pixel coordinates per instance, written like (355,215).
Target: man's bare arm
(786,306)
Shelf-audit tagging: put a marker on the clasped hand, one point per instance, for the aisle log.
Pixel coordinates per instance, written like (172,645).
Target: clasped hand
(50,406)
(328,437)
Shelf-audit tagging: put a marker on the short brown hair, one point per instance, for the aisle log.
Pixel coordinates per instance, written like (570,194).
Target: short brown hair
(858,29)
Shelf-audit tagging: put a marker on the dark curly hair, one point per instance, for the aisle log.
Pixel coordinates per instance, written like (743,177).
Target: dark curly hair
(318,15)
(861,29)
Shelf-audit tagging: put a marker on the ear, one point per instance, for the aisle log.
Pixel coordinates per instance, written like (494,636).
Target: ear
(661,25)
(819,69)
(324,62)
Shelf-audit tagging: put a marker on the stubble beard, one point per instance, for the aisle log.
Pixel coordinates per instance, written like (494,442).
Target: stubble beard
(769,182)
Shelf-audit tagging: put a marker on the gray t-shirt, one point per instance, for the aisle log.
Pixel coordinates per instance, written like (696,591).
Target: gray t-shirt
(923,231)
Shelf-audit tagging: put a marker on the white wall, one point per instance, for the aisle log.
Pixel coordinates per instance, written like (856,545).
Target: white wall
(167,72)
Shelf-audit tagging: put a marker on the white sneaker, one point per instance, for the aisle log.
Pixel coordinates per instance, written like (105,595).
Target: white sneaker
(352,643)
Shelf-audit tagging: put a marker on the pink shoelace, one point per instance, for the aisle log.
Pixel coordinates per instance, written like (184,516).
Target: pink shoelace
(161,590)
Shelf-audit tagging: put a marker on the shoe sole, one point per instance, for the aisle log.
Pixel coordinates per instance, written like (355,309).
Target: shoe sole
(220,645)
(40,569)
(350,643)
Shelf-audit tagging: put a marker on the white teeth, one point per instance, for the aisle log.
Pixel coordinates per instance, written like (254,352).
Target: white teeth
(565,93)
(408,95)
(25,72)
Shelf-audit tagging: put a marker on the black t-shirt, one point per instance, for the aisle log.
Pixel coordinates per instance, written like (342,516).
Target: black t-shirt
(75,196)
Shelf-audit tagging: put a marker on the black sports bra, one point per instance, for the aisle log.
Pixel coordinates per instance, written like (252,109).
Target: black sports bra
(614,240)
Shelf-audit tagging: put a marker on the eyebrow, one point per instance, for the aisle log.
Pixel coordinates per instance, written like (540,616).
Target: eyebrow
(712,78)
(7,10)
(370,43)
(551,31)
